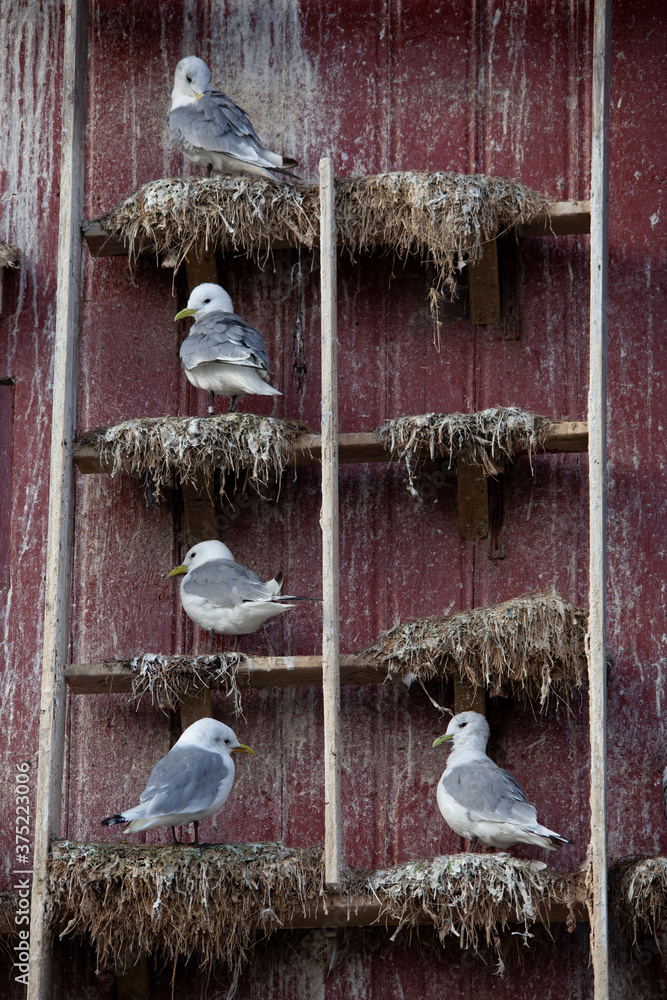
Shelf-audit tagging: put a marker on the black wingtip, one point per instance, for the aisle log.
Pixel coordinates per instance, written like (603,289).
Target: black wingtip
(561,841)
(279,579)
(112,820)
(289,162)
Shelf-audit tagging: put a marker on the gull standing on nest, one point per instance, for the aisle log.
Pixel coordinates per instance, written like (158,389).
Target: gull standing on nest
(222,353)
(212,131)
(221,596)
(189,784)
(481,801)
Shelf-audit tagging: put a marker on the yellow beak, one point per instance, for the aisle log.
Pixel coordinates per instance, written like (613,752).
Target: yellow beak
(183,314)
(176,570)
(442,739)
(242,748)
(197,95)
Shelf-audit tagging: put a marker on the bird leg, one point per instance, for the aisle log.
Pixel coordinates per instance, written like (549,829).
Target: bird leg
(473,845)
(173,833)
(210,645)
(209,170)
(196,822)
(211,397)
(236,644)
(232,404)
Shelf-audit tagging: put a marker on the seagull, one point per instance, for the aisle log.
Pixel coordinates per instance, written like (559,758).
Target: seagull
(190,783)
(222,353)
(221,596)
(212,131)
(479,800)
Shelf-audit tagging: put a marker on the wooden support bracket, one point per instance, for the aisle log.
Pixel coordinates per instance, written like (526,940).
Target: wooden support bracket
(134,984)
(484,287)
(473,498)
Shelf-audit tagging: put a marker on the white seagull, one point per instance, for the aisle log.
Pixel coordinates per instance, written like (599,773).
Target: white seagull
(222,353)
(481,801)
(221,596)
(212,131)
(190,783)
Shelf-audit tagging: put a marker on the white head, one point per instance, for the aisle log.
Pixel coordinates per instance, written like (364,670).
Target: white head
(201,553)
(206,298)
(468,730)
(208,734)
(191,79)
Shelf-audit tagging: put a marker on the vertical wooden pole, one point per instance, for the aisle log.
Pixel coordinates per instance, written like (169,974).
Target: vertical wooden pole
(597,665)
(329,519)
(61,491)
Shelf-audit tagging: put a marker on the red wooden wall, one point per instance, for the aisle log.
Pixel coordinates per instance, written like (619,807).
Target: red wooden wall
(500,87)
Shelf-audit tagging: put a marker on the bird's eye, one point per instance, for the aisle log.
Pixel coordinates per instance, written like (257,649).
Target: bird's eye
(462,724)
(189,79)
(206,301)
(226,742)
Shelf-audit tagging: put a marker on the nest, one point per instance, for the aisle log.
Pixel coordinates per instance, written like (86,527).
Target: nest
(9,255)
(639,894)
(193,449)
(215,904)
(531,647)
(444,218)
(169,680)
(485,438)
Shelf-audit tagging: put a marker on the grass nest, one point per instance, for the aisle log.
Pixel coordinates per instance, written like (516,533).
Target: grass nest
(531,647)
(215,904)
(443,218)
(485,438)
(193,449)
(639,894)
(9,255)
(169,680)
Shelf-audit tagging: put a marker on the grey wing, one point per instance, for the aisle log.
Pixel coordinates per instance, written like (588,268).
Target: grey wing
(490,793)
(217,125)
(226,584)
(222,336)
(184,781)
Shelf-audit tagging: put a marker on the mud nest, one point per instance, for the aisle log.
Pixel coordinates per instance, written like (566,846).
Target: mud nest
(168,680)
(443,218)
(9,255)
(215,904)
(193,449)
(639,894)
(531,647)
(484,438)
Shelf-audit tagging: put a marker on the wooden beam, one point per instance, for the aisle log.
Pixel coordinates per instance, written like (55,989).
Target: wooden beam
(333,851)
(562,218)
(473,500)
(597,480)
(61,492)
(201,269)
(468,698)
(135,983)
(366,446)
(253,672)
(484,287)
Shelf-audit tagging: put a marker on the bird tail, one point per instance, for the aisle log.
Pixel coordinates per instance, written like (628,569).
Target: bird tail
(559,841)
(293,597)
(112,820)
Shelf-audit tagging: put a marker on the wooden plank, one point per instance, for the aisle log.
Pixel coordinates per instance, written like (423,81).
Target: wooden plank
(473,501)
(61,493)
(366,446)
(468,698)
(597,479)
(329,520)
(484,287)
(201,269)
(134,984)
(562,218)
(254,672)
(6,449)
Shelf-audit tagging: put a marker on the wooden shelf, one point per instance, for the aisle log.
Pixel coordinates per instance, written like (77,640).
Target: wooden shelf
(254,672)
(366,446)
(563,218)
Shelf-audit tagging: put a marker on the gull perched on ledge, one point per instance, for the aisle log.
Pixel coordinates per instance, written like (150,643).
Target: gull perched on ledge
(222,353)
(190,783)
(221,596)
(481,801)
(212,131)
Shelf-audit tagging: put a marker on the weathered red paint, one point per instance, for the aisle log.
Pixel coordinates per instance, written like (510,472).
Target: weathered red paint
(497,87)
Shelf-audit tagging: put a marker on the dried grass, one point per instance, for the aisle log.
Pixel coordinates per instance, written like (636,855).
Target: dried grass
(533,647)
(193,449)
(443,218)
(9,255)
(169,680)
(215,904)
(639,894)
